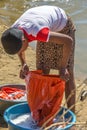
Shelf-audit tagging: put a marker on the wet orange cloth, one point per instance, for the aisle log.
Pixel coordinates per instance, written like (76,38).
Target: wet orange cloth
(44,94)
(11,93)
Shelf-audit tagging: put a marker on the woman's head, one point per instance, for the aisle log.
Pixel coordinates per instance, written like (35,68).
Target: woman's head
(12,40)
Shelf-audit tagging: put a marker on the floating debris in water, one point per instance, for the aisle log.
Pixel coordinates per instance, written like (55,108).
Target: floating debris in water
(25,121)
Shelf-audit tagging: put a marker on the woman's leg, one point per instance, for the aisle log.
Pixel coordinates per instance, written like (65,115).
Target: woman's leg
(48,56)
(70,84)
(70,88)
(41,62)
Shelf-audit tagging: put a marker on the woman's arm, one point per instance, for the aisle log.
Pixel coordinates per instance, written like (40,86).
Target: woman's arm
(64,40)
(67,42)
(24,69)
(21,56)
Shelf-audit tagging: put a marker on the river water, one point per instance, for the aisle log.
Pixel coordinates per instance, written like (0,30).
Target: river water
(10,10)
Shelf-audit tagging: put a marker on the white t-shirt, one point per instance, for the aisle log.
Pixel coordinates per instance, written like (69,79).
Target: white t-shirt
(36,19)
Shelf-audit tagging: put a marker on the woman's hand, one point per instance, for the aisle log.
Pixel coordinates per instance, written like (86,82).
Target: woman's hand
(24,71)
(64,74)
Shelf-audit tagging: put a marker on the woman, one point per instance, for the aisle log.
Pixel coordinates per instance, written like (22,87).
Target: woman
(54,31)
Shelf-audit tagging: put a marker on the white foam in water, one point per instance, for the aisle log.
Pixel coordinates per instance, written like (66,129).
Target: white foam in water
(25,121)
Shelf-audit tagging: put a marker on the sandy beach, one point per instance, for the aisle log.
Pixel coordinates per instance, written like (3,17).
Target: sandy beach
(9,74)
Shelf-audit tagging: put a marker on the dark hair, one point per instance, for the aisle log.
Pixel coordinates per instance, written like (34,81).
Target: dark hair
(12,40)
